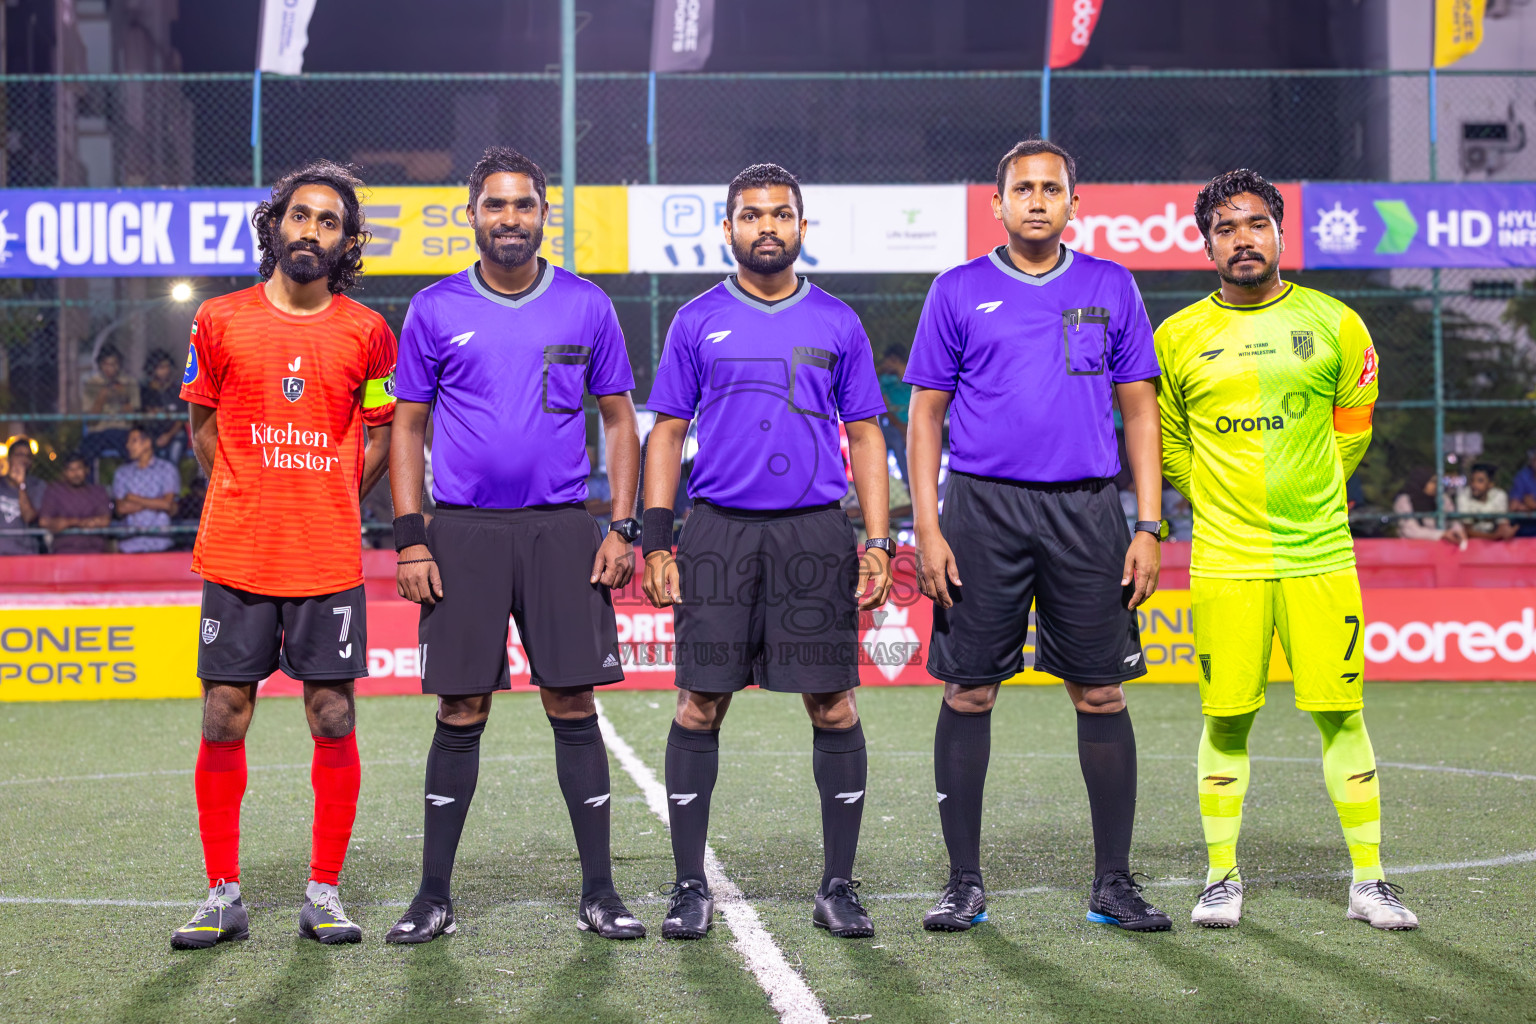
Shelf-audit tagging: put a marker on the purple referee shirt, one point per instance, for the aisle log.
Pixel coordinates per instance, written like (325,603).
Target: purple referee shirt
(769,384)
(505,377)
(1032,361)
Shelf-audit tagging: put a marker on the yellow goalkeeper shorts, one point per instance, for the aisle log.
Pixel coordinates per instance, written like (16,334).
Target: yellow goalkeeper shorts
(1321,625)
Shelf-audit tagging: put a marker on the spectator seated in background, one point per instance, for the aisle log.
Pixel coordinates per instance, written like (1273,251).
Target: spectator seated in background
(109,392)
(1522,495)
(145,493)
(1418,495)
(160,397)
(74,502)
(21,495)
(1480,497)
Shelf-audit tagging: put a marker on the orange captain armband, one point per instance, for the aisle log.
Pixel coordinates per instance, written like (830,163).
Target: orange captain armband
(1353,420)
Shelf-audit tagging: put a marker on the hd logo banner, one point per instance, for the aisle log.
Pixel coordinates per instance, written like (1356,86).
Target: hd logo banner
(207,232)
(1427,225)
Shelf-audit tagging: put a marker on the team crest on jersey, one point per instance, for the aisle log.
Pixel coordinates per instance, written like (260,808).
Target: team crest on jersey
(1205,666)
(293,388)
(190,373)
(210,630)
(1301,344)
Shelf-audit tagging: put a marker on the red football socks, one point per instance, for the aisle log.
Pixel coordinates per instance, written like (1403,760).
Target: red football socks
(336,776)
(220,784)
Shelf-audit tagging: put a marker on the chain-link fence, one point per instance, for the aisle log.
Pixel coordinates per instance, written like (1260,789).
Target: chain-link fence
(1456,359)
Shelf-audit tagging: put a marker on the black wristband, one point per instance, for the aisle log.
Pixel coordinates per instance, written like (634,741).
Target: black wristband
(410,529)
(655,531)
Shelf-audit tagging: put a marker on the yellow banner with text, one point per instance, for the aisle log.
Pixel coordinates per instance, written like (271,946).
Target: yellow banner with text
(98,653)
(425,230)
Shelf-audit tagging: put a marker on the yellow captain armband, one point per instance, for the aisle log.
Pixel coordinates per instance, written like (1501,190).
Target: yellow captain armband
(381,391)
(1353,419)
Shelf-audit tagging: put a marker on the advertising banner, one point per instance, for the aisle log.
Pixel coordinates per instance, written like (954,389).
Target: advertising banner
(1072,24)
(682,34)
(96,653)
(425,230)
(1381,224)
(93,653)
(853,229)
(1140,227)
(207,232)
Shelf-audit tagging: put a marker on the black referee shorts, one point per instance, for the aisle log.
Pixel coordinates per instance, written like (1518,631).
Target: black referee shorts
(528,564)
(1060,547)
(246,637)
(768,598)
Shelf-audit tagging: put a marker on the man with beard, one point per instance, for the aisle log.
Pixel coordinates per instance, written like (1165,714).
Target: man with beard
(283,380)
(1267,395)
(501,355)
(767,574)
(1028,349)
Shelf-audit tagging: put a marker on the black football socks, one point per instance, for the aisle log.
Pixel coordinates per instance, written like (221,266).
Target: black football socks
(581,765)
(962,746)
(693,762)
(453,767)
(1106,749)
(841,766)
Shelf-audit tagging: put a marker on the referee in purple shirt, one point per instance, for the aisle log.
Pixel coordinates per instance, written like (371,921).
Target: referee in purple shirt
(767,567)
(500,355)
(1027,349)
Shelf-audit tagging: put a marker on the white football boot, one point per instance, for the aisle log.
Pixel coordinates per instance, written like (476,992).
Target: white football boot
(1376,901)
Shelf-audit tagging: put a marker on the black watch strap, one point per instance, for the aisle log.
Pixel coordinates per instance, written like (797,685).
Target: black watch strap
(882,543)
(629,529)
(1156,527)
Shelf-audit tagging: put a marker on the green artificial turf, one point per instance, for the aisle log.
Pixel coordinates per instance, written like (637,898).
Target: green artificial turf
(96,803)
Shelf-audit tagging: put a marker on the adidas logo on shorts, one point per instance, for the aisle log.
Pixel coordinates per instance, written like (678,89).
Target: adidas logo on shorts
(610,662)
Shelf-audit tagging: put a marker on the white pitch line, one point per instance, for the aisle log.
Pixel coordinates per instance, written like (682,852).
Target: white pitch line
(787,991)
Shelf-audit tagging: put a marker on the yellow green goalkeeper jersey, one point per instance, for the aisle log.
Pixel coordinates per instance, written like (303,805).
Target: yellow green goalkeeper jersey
(1266,411)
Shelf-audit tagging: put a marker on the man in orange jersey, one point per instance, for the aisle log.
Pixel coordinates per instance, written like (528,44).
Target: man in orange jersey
(284,380)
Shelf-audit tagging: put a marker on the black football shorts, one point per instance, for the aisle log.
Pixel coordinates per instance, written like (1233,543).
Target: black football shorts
(768,598)
(1058,547)
(246,637)
(531,565)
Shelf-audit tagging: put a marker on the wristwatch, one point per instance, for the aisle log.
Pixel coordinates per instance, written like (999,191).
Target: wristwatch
(629,529)
(880,543)
(1158,528)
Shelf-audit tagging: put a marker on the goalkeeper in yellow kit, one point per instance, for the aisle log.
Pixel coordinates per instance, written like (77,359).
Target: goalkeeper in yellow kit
(1266,399)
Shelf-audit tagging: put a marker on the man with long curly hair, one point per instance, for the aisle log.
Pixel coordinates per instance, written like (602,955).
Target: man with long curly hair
(284,380)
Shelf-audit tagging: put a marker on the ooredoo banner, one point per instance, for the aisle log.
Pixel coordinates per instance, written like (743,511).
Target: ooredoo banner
(1141,227)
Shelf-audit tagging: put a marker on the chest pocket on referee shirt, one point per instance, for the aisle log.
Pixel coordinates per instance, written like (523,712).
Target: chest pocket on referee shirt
(565,376)
(810,386)
(1085,332)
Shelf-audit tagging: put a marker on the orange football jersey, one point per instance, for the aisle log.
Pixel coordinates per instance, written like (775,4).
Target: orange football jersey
(293,394)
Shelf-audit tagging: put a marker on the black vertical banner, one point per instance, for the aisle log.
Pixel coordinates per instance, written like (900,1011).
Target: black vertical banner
(682,33)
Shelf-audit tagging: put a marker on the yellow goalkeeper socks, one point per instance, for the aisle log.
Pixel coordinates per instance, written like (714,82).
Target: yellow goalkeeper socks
(1349,769)
(1223,772)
